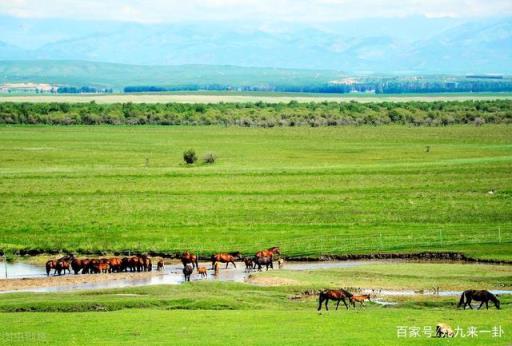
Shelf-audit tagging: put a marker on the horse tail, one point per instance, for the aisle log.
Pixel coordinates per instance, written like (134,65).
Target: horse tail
(461,301)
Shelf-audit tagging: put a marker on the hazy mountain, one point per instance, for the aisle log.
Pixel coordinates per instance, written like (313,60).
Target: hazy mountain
(380,45)
(78,73)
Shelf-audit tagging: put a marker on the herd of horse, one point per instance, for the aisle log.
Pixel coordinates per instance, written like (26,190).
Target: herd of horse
(139,263)
(260,259)
(143,263)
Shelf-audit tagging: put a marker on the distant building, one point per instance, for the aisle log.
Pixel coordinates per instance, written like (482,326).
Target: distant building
(28,88)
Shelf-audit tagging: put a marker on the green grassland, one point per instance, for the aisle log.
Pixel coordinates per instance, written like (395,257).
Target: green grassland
(312,191)
(218,312)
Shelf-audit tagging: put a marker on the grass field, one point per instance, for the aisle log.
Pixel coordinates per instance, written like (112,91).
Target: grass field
(312,191)
(216,97)
(218,312)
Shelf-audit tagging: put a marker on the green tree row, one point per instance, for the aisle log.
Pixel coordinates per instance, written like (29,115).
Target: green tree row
(261,114)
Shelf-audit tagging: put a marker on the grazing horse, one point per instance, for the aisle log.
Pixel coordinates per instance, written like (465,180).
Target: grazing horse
(269,252)
(360,299)
(338,295)
(264,260)
(188,257)
(61,266)
(480,296)
(203,272)
(224,258)
(51,264)
(160,265)
(249,264)
(444,331)
(187,271)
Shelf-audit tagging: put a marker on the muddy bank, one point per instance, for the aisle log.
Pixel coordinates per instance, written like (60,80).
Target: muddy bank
(70,282)
(419,256)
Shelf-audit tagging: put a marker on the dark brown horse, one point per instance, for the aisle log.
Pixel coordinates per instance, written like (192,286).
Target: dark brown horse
(187,271)
(264,261)
(61,266)
(269,252)
(337,295)
(160,265)
(480,296)
(76,265)
(224,258)
(249,264)
(85,266)
(189,257)
(49,266)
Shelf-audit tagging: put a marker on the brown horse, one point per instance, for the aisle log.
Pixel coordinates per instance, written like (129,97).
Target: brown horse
(115,264)
(482,296)
(224,258)
(203,272)
(160,265)
(188,257)
(135,263)
(360,299)
(147,265)
(269,252)
(51,264)
(338,295)
(61,266)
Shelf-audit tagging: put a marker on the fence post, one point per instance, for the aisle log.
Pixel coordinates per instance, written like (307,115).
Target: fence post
(441,236)
(499,234)
(381,243)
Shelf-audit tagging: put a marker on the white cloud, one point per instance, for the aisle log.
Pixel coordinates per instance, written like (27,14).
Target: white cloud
(253,10)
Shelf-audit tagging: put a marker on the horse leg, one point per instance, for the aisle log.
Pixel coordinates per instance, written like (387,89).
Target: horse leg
(227,263)
(234,265)
(320,301)
(338,304)
(487,304)
(482,303)
(326,301)
(344,302)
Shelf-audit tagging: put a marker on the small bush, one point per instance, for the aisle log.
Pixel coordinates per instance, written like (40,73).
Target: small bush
(190,156)
(209,158)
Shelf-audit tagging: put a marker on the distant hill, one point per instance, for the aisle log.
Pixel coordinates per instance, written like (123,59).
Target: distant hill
(413,45)
(109,75)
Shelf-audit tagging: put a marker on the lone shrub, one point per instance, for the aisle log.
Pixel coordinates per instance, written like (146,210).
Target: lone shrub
(190,156)
(209,158)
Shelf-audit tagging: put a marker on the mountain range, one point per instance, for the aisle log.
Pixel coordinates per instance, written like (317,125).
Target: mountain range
(415,45)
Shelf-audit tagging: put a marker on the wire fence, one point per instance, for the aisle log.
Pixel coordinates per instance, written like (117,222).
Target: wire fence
(331,245)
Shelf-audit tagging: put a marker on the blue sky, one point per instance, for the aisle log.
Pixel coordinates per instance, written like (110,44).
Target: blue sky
(268,11)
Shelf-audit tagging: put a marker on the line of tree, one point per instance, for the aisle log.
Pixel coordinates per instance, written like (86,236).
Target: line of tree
(378,87)
(261,114)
